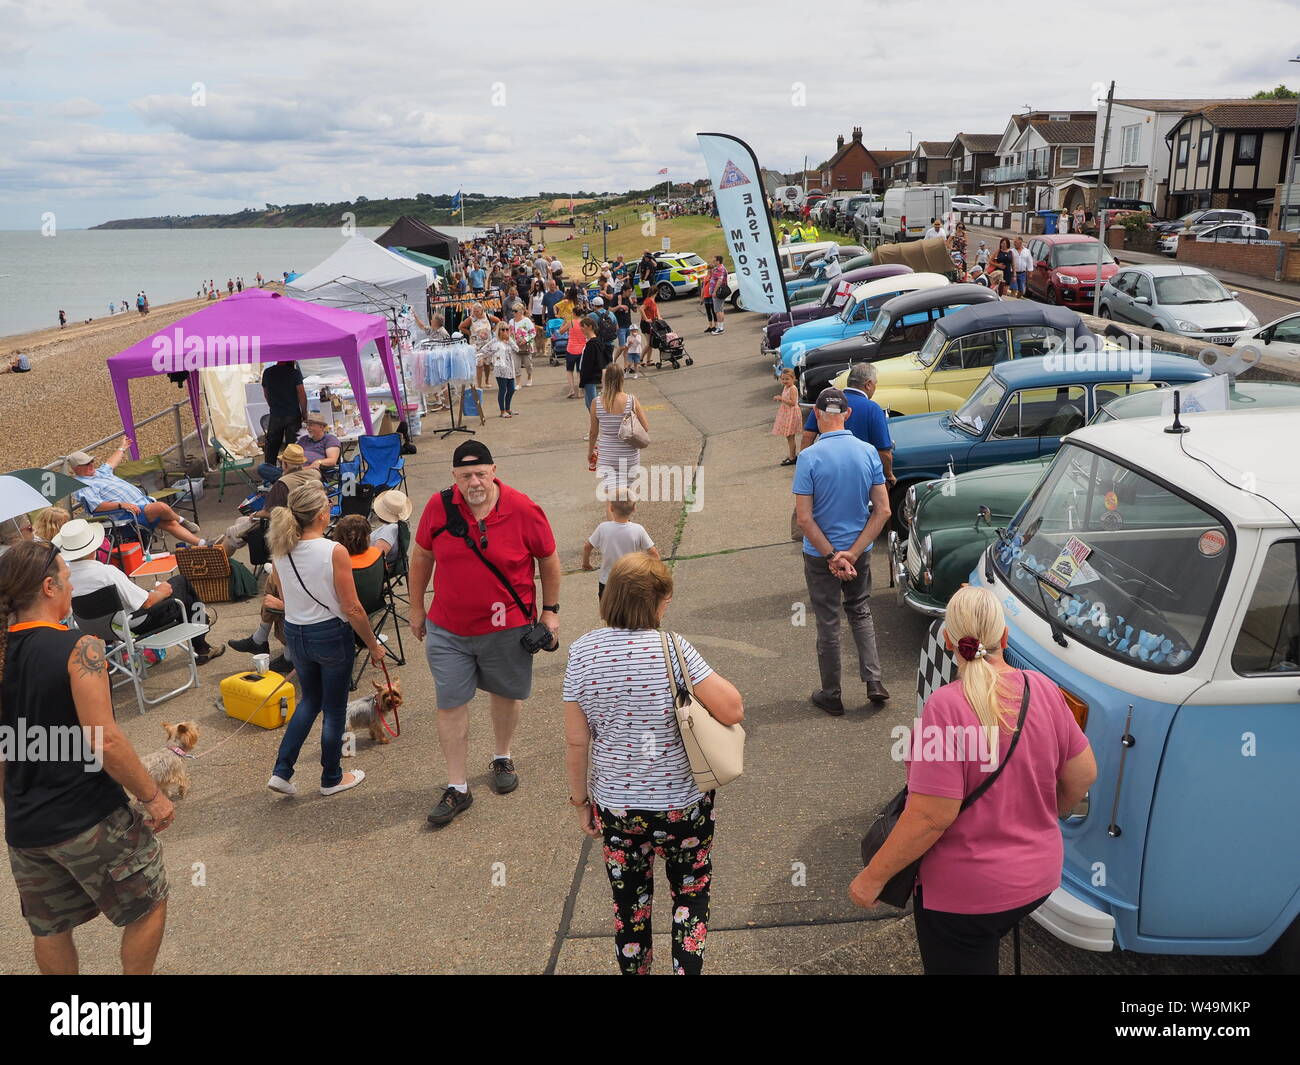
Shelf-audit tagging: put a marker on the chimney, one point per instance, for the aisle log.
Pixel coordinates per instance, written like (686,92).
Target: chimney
(857,134)
(839,141)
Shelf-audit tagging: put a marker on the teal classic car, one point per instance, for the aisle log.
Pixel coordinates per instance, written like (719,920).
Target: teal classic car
(949,521)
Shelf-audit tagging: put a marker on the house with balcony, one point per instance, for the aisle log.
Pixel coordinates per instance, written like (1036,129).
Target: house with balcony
(1230,154)
(920,166)
(889,159)
(1037,151)
(1137,155)
(969,154)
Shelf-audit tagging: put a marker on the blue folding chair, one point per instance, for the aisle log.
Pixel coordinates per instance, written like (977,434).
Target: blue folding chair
(348,479)
(385,467)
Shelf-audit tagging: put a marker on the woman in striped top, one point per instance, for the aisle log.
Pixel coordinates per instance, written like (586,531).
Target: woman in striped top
(617,462)
(629,775)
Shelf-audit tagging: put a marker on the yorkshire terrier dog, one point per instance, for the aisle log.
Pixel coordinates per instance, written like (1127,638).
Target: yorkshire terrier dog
(168,767)
(362,712)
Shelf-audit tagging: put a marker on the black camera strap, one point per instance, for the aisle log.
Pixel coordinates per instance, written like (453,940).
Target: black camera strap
(457,526)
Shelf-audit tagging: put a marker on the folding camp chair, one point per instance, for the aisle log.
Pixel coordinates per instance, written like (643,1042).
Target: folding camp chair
(397,570)
(231,464)
(385,467)
(101,613)
(377,601)
(143,470)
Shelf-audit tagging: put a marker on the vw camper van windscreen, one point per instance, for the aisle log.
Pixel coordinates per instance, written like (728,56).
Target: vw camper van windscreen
(1128,566)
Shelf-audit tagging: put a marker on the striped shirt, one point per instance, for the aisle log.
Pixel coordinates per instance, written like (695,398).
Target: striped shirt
(105,486)
(619,678)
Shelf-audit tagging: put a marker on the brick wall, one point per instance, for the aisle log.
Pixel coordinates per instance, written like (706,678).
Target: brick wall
(1257,260)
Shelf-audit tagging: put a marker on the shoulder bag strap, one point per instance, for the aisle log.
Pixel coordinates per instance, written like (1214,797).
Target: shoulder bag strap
(302,584)
(1020,725)
(681,664)
(678,690)
(472,544)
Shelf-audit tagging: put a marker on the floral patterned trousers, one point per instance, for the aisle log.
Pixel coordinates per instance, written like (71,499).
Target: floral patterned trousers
(683,839)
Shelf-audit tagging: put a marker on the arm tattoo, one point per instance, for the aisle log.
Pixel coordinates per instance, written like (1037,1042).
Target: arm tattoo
(88,656)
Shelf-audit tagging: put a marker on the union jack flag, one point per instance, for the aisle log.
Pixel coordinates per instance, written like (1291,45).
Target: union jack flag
(664,170)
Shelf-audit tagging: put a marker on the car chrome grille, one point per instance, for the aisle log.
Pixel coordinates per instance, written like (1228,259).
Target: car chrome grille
(913,554)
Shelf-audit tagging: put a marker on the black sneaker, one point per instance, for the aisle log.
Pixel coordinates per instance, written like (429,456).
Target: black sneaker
(832,704)
(451,804)
(504,777)
(249,646)
(281,664)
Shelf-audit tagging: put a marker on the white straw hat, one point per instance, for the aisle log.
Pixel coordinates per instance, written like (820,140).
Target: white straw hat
(392,506)
(79,538)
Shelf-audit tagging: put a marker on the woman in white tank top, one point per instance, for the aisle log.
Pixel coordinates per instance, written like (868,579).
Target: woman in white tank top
(322,621)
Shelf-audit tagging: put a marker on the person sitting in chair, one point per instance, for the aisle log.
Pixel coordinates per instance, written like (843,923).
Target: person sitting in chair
(353,532)
(106,493)
(321,446)
(78,541)
(392,508)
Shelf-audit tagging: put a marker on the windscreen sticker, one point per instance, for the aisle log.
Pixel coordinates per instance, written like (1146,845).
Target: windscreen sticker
(1112,501)
(1211,543)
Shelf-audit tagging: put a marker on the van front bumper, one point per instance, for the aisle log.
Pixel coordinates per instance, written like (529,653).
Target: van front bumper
(1074,921)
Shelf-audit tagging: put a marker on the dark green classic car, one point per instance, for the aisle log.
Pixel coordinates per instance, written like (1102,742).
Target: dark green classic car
(949,522)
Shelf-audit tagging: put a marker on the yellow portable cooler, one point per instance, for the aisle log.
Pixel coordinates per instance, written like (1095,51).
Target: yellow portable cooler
(265,699)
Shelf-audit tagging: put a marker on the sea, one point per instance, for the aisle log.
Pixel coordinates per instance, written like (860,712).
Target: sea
(81,271)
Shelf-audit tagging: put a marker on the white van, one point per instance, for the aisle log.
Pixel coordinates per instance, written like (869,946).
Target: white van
(908,210)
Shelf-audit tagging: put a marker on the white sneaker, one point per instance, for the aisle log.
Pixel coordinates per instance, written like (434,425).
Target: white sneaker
(284,787)
(358,775)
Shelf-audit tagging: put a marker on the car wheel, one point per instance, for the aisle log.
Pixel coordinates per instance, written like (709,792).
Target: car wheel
(1053,296)
(665,291)
(1156,327)
(1104,312)
(896,496)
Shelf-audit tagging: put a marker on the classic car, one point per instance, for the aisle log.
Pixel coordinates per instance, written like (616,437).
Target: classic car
(964,346)
(943,533)
(827,305)
(813,271)
(902,325)
(855,316)
(1152,576)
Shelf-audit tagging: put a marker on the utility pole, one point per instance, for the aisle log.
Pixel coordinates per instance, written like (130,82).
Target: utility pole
(1101,172)
(1286,189)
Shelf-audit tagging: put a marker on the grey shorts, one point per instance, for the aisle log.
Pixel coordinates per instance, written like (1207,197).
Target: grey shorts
(461,665)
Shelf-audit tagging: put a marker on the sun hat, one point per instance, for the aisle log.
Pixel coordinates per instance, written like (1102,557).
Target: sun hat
(293,455)
(79,538)
(392,506)
(316,418)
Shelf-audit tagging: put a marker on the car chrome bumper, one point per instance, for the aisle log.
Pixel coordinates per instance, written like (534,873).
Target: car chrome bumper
(1074,921)
(903,581)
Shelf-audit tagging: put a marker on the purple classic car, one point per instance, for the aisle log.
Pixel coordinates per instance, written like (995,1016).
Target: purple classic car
(777,324)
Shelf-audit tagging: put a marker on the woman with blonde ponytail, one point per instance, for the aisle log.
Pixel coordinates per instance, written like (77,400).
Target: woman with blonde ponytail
(321,614)
(617,462)
(984,870)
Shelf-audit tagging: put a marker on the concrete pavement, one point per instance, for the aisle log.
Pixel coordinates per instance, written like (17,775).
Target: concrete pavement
(358,883)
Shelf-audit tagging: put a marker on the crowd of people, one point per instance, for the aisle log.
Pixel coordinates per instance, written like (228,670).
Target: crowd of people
(980,871)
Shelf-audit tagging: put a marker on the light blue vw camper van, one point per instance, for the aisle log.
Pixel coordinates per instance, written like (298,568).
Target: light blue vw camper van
(1153,576)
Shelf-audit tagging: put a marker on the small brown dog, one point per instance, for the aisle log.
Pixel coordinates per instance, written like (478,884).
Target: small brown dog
(168,767)
(361,713)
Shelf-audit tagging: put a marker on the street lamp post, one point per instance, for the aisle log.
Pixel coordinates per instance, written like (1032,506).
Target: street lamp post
(1286,189)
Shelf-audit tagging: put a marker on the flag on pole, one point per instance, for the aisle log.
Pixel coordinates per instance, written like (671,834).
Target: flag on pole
(664,170)
(455,201)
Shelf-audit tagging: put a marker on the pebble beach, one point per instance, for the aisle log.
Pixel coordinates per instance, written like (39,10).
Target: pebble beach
(66,402)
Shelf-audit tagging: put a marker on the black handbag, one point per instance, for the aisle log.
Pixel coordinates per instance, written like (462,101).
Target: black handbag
(899,888)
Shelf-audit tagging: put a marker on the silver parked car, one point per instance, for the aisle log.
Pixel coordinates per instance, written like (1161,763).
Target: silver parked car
(1178,299)
(1219,233)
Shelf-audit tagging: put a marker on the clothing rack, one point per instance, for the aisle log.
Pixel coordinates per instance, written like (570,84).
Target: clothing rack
(457,423)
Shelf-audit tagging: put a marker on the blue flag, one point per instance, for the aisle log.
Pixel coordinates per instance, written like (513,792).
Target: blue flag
(455,201)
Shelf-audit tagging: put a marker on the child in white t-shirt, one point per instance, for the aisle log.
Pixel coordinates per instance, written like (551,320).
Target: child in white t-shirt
(615,538)
(634,337)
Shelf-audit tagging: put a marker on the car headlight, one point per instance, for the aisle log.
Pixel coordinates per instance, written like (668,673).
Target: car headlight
(1190,327)
(1065,279)
(909,505)
(927,552)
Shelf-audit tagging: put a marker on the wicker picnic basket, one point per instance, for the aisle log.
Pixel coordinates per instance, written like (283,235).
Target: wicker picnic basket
(208,571)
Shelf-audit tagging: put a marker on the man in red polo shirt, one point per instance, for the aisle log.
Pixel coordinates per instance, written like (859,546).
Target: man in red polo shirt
(472,631)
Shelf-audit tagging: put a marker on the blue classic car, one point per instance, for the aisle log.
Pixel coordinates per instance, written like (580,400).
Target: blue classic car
(855,318)
(1020,411)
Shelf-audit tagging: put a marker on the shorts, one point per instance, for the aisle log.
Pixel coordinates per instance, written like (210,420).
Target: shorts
(622,335)
(539,320)
(719,304)
(634,357)
(114,868)
(571,361)
(495,662)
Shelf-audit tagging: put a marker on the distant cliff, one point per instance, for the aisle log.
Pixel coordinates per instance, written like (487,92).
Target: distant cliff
(436,210)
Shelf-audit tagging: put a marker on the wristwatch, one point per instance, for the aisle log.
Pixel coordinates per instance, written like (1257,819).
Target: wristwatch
(554,608)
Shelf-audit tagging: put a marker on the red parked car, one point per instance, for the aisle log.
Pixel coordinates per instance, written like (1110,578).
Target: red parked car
(1065,268)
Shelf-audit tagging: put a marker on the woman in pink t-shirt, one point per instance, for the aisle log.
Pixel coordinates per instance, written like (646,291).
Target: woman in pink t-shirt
(984,870)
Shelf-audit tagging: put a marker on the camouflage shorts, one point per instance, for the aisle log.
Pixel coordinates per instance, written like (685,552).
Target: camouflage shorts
(114,868)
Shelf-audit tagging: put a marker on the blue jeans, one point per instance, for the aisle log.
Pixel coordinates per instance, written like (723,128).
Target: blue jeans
(322,654)
(269,472)
(588,394)
(505,392)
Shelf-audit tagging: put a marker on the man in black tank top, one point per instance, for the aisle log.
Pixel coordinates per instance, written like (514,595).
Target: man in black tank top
(77,849)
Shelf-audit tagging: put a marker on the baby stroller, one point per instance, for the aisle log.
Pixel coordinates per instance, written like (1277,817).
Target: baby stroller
(553,327)
(670,345)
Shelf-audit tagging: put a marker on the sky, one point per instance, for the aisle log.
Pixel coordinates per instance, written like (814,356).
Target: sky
(117,108)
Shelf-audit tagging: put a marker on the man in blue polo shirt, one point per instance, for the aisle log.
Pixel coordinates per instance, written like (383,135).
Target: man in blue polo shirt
(866,419)
(478,280)
(842,504)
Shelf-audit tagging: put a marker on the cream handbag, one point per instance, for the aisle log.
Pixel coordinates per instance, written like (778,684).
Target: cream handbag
(716,751)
